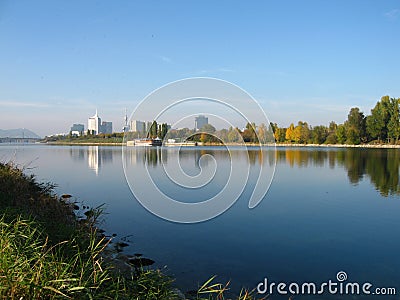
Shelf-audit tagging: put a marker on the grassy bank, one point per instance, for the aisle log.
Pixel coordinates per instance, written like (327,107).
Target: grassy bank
(49,252)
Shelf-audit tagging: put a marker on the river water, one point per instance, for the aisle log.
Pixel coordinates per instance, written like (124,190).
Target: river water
(327,210)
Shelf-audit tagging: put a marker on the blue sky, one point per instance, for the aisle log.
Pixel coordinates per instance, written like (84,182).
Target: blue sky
(302,60)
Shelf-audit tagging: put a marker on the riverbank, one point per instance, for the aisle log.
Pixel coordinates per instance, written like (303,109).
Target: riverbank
(376,146)
(283,145)
(49,251)
(84,143)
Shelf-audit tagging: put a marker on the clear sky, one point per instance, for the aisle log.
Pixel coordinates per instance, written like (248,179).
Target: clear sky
(302,60)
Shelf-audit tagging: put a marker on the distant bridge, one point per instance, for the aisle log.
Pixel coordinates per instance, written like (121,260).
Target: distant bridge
(18,140)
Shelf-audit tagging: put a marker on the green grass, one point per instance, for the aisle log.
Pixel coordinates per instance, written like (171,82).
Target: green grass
(210,290)
(32,269)
(48,252)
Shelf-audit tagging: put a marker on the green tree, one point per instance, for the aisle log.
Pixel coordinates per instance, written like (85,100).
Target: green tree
(341,134)
(319,134)
(208,128)
(153,130)
(332,137)
(332,127)
(184,133)
(278,132)
(163,130)
(376,123)
(393,125)
(280,135)
(353,136)
(355,127)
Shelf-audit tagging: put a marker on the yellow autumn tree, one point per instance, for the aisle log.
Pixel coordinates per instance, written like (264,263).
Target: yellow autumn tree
(290,133)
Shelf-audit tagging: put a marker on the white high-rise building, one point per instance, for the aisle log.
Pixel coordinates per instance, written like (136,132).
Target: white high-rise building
(94,124)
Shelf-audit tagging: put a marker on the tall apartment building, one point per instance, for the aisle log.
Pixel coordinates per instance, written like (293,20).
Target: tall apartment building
(200,121)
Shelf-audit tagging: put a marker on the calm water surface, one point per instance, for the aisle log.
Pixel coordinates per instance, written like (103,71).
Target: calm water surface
(327,210)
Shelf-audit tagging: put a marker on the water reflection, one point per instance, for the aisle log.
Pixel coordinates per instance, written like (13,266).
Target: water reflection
(381,166)
(95,156)
(191,156)
(77,154)
(94,159)
(146,155)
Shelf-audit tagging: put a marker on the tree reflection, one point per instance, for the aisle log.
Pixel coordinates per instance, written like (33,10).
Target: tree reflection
(384,171)
(381,166)
(354,160)
(152,156)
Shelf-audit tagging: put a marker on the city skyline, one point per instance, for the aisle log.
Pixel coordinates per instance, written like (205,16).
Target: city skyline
(309,61)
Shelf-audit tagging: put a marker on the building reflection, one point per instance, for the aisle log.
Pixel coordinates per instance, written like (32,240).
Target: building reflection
(96,157)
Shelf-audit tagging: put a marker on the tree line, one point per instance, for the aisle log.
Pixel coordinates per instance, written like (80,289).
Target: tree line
(381,126)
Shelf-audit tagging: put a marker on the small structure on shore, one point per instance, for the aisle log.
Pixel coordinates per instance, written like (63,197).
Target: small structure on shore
(145,142)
